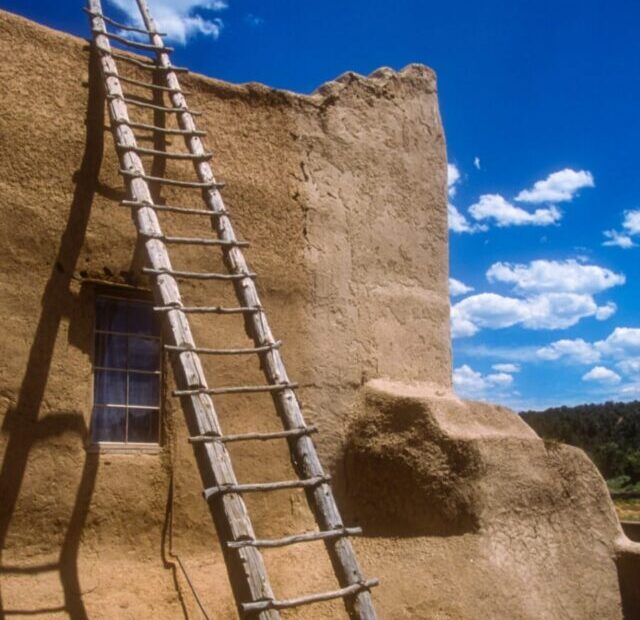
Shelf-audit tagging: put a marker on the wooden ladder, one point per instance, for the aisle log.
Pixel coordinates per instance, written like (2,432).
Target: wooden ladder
(222,491)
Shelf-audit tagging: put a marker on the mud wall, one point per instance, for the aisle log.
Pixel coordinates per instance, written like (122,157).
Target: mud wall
(342,195)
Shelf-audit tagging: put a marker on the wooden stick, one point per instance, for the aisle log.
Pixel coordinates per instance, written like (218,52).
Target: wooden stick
(153,106)
(149,66)
(254,436)
(135,44)
(149,85)
(176,182)
(265,487)
(355,588)
(197,241)
(204,351)
(297,538)
(167,154)
(185,210)
(206,309)
(197,275)
(155,128)
(119,25)
(240,389)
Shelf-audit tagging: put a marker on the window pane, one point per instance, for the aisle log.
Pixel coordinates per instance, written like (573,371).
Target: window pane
(142,319)
(110,387)
(143,389)
(111,351)
(108,424)
(143,425)
(144,354)
(111,314)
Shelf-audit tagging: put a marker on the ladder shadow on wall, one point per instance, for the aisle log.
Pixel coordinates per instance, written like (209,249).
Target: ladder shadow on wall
(23,426)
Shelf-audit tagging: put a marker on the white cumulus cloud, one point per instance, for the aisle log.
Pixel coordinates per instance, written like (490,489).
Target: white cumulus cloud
(621,346)
(457,288)
(544,311)
(453,178)
(494,207)
(576,351)
(622,342)
(506,367)
(559,186)
(631,222)
(615,238)
(567,276)
(180,19)
(469,382)
(600,374)
(630,366)
(459,223)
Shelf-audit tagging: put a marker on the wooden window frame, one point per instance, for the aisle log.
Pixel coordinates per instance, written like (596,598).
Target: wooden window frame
(125,293)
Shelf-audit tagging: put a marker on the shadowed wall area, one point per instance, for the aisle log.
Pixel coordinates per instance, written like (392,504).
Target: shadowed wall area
(466,512)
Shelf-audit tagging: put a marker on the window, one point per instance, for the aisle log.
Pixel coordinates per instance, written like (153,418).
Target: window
(126,399)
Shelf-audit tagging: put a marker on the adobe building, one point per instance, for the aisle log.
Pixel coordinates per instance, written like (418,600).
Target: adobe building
(466,513)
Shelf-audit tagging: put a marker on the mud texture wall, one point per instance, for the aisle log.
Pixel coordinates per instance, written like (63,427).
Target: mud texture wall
(342,193)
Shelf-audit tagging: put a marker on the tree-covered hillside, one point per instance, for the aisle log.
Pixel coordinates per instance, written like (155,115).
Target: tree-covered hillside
(608,433)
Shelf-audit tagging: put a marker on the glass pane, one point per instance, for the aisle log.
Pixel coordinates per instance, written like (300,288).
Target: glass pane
(142,319)
(143,389)
(143,425)
(111,351)
(110,387)
(111,314)
(144,354)
(108,424)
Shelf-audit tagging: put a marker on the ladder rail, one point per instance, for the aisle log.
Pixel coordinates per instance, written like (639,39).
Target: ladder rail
(213,458)
(287,404)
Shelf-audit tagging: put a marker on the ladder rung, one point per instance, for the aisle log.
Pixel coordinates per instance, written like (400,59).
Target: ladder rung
(209,309)
(172,209)
(225,243)
(295,432)
(150,66)
(153,106)
(198,275)
(241,389)
(135,44)
(113,22)
(166,154)
(176,182)
(351,590)
(262,487)
(298,538)
(129,80)
(270,347)
(167,130)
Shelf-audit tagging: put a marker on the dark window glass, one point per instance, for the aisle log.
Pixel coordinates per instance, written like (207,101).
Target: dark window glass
(126,372)
(111,351)
(109,424)
(143,426)
(110,387)
(143,389)
(144,353)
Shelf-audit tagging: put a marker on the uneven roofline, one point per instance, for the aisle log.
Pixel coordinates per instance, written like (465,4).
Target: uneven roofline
(330,90)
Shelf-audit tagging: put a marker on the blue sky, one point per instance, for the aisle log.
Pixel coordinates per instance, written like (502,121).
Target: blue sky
(540,104)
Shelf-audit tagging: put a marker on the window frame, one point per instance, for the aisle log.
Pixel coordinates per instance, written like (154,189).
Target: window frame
(129,295)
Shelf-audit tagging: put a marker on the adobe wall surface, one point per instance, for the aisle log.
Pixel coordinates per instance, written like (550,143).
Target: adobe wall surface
(343,195)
